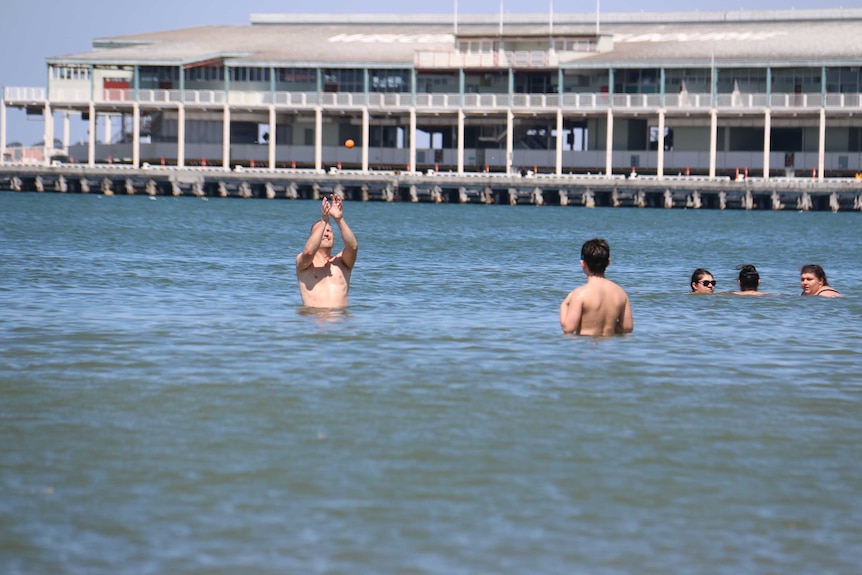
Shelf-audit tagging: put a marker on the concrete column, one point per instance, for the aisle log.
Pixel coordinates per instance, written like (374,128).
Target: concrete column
(272,141)
(48,139)
(318,138)
(2,130)
(225,137)
(412,158)
(821,147)
(136,135)
(713,138)
(107,138)
(767,141)
(366,137)
(609,145)
(67,132)
(510,138)
(660,155)
(460,141)
(91,136)
(559,159)
(181,136)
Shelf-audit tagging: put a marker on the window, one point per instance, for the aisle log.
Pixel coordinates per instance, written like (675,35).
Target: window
(296,79)
(343,80)
(843,80)
(389,80)
(694,80)
(70,73)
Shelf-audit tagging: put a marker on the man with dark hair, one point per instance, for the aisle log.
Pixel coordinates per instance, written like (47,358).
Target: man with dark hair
(748,281)
(599,307)
(324,279)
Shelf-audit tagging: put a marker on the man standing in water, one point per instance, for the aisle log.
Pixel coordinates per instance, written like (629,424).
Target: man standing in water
(599,307)
(324,279)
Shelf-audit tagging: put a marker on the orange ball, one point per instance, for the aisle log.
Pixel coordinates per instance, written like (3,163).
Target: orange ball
(349,144)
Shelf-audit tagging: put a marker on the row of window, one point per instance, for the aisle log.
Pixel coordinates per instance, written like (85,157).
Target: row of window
(70,73)
(648,80)
(487,46)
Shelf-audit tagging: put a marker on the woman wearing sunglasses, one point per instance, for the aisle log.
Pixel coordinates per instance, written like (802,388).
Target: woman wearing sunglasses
(702,281)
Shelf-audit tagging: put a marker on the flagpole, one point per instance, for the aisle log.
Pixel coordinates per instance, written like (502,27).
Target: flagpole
(456,17)
(598,11)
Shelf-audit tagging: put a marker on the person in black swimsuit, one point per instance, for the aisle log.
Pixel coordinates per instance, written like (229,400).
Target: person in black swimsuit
(814,282)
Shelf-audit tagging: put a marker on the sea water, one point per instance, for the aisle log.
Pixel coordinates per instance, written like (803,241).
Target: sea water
(168,406)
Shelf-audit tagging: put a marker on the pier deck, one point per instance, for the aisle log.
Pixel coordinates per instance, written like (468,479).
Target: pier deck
(444,187)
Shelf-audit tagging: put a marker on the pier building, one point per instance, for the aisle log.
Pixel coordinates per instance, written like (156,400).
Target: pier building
(748,110)
(766,93)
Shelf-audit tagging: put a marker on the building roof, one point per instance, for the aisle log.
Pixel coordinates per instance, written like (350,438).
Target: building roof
(786,37)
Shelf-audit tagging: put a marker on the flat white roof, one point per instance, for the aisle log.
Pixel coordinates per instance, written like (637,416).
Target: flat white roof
(783,38)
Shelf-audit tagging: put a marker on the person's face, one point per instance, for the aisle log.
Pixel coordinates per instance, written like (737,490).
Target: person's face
(706,284)
(810,284)
(328,239)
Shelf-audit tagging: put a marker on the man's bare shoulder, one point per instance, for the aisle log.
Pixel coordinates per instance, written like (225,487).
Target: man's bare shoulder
(603,286)
(618,289)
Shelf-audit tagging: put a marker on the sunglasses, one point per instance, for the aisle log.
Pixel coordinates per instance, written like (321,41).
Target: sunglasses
(707,283)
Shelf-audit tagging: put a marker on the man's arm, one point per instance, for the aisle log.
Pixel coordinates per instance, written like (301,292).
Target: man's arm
(306,257)
(570,313)
(625,323)
(351,247)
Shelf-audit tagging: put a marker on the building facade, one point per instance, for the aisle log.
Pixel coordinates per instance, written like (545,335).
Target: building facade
(775,93)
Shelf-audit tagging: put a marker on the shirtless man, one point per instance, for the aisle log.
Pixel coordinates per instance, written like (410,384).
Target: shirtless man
(324,279)
(599,307)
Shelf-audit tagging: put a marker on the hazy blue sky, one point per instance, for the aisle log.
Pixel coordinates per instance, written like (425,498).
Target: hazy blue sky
(32,30)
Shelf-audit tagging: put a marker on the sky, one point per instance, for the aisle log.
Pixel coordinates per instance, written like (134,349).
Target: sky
(33,30)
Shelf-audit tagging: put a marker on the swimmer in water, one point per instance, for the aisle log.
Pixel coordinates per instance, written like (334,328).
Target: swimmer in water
(814,282)
(702,281)
(324,279)
(749,281)
(599,307)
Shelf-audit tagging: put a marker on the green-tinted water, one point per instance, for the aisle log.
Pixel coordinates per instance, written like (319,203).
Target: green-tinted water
(166,407)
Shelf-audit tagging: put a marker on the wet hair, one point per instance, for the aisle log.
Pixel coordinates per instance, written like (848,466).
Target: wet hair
(699,273)
(596,253)
(748,277)
(816,270)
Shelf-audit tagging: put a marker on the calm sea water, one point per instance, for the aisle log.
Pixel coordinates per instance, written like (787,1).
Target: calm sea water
(166,406)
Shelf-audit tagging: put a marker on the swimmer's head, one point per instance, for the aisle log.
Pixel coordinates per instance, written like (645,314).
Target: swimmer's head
(816,271)
(596,255)
(702,281)
(749,279)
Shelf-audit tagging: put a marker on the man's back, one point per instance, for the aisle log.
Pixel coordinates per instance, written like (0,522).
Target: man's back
(598,308)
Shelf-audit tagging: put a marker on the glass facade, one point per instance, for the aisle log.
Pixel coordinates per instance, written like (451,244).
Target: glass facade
(843,80)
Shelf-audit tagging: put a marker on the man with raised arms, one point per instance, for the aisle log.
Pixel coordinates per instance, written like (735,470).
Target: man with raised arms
(324,279)
(599,307)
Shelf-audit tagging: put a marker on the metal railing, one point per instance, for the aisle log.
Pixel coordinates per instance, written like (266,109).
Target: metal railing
(448,102)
